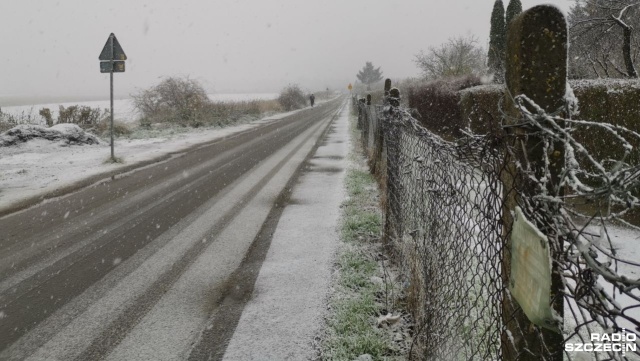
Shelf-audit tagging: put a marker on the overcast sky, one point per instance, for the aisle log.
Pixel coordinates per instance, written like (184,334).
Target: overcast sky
(51,47)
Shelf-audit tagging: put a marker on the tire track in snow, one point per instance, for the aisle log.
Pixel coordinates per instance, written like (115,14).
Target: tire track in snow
(119,328)
(67,288)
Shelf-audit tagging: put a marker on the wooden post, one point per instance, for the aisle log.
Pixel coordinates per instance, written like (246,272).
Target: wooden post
(536,65)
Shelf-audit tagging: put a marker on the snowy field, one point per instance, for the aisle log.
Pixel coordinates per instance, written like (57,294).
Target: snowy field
(123,108)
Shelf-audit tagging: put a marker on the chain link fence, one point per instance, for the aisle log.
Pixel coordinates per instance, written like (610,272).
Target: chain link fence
(448,218)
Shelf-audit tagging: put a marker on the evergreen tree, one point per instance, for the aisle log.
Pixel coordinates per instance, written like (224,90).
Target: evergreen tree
(369,75)
(497,42)
(514,8)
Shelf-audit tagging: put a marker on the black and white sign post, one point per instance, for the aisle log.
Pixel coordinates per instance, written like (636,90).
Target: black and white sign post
(112,60)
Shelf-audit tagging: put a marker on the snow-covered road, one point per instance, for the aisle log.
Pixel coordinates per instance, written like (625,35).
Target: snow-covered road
(138,266)
(285,311)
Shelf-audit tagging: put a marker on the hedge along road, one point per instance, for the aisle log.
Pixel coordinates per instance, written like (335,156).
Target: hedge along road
(79,272)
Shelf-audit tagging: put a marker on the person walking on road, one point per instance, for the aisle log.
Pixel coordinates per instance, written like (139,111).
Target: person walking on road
(312,99)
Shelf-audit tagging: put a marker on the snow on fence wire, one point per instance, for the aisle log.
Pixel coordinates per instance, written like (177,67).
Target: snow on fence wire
(586,209)
(449,215)
(444,217)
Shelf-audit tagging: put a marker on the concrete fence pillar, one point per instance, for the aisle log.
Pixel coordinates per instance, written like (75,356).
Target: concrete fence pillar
(361,103)
(366,124)
(375,163)
(387,87)
(394,97)
(393,227)
(536,66)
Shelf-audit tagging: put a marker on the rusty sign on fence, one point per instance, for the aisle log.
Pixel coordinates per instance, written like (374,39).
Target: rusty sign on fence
(530,279)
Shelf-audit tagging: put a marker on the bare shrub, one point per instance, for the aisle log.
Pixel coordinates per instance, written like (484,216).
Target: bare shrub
(46,114)
(183,101)
(66,115)
(78,114)
(24,117)
(292,97)
(176,100)
(459,56)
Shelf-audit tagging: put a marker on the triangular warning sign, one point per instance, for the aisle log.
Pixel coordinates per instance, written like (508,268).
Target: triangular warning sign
(118,53)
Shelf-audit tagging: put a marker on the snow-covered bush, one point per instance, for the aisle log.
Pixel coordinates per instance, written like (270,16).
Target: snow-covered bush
(175,100)
(68,133)
(46,114)
(77,114)
(292,97)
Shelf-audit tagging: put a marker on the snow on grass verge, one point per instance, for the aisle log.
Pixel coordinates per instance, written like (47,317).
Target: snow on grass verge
(367,316)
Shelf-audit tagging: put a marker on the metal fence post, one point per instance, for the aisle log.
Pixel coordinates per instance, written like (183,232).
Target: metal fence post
(536,66)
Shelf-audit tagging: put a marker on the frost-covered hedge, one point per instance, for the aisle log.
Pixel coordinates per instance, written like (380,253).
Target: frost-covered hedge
(480,107)
(612,101)
(436,104)
(445,111)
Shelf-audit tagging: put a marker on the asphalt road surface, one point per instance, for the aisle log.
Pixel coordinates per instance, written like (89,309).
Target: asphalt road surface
(142,265)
